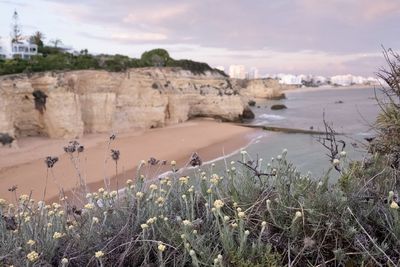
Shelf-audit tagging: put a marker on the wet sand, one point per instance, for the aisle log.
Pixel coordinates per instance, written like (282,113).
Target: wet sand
(25,167)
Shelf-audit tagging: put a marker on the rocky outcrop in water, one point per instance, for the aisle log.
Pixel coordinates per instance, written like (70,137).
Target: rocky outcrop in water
(69,104)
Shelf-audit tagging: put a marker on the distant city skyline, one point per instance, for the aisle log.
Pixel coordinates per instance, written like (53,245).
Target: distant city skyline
(283,36)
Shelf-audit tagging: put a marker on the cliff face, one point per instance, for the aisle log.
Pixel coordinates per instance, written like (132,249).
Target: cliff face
(68,104)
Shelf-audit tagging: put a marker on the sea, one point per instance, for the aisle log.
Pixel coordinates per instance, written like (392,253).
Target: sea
(350,111)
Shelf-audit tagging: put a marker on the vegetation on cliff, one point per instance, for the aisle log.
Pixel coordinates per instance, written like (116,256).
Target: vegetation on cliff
(52,58)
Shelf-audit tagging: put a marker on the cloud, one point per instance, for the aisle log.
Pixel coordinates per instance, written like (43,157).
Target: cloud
(334,28)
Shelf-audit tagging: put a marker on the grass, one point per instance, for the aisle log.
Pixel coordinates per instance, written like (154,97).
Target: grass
(232,218)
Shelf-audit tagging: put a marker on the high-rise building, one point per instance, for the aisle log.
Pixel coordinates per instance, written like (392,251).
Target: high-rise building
(237,71)
(253,73)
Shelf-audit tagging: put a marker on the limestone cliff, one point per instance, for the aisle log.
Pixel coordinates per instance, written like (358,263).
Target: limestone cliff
(68,104)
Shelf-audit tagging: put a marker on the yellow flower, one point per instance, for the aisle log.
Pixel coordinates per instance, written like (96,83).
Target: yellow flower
(23,198)
(32,256)
(218,204)
(161,247)
(187,223)
(394,205)
(99,254)
(101,190)
(89,206)
(184,179)
(209,190)
(31,242)
(27,219)
(57,235)
(153,187)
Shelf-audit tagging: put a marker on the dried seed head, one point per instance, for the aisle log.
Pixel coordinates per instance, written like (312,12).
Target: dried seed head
(115,154)
(50,161)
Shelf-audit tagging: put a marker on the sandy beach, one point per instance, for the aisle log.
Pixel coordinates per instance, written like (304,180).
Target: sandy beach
(25,166)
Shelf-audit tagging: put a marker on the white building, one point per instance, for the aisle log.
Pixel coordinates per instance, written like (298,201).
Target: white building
(289,79)
(253,73)
(237,71)
(23,50)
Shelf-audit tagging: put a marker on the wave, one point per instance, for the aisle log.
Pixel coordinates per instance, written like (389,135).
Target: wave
(271,117)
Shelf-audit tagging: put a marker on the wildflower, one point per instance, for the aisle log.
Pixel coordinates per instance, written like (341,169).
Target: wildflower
(192,253)
(71,227)
(184,196)
(241,214)
(187,223)
(213,209)
(64,261)
(99,254)
(23,198)
(88,206)
(61,213)
(195,232)
(284,151)
(264,223)
(27,219)
(343,154)
(139,195)
(88,195)
(394,205)
(173,163)
(246,233)
(183,236)
(243,152)
(209,190)
(234,225)
(184,179)
(336,162)
(391,194)
(235,205)
(58,235)
(279,157)
(129,182)
(95,220)
(32,256)
(219,257)
(169,183)
(191,189)
(144,226)
(160,200)
(3,202)
(49,225)
(239,209)
(101,190)
(153,187)
(297,215)
(226,218)
(218,204)
(31,242)
(161,247)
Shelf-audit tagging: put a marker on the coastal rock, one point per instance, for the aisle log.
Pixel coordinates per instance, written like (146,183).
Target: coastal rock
(68,104)
(278,107)
(248,114)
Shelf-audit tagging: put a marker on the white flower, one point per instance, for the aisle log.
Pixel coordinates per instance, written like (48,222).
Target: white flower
(95,220)
(173,163)
(264,223)
(218,204)
(192,253)
(394,205)
(31,242)
(161,247)
(139,195)
(343,154)
(336,162)
(247,232)
(187,223)
(99,254)
(32,256)
(153,187)
(64,261)
(144,226)
(57,235)
(241,214)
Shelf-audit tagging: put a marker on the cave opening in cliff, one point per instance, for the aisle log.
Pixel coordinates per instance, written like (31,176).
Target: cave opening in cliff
(40,100)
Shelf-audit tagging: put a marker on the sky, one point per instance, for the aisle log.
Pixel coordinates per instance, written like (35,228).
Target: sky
(319,37)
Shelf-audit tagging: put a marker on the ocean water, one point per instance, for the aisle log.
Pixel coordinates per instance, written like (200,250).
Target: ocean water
(353,117)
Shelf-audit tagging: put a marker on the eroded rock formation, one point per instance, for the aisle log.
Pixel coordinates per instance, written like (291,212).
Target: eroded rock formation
(69,104)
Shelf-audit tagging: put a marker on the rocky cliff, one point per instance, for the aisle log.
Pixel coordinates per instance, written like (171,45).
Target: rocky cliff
(69,104)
